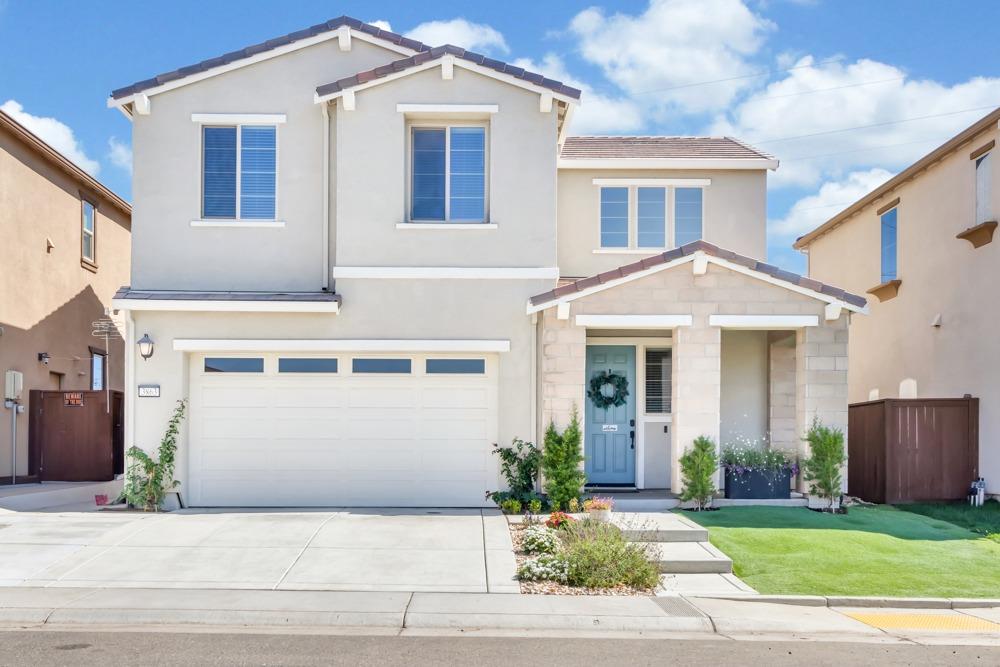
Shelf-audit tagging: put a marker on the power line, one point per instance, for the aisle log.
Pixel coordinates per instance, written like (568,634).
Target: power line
(823,90)
(737,78)
(860,150)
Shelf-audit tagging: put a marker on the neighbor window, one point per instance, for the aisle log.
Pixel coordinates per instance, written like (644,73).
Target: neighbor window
(448,174)
(888,223)
(234,365)
(97,370)
(301,365)
(688,211)
(380,365)
(456,366)
(984,207)
(239,172)
(658,369)
(88,230)
(634,216)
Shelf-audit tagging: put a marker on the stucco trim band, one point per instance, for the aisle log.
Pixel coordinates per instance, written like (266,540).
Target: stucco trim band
(346,345)
(634,321)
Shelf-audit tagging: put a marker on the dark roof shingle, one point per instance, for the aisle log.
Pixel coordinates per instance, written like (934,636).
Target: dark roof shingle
(727,148)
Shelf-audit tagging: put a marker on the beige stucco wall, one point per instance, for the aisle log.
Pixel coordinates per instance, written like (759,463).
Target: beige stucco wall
(941,275)
(744,392)
(48,300)
(735,215)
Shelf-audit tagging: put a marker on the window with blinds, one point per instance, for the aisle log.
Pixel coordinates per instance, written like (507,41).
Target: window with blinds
(658,369)
(239,172)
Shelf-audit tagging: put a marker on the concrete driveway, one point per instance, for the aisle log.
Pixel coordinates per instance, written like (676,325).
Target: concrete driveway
(349,550)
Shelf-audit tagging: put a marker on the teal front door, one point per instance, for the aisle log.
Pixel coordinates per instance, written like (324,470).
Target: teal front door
(610,431)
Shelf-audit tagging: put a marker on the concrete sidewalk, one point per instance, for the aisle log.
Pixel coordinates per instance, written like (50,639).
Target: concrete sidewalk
(436,613)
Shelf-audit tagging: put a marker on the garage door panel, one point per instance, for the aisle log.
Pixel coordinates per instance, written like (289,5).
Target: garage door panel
(305,398)
(230,396)
(235,427)
(472,460)
(383,396)
(453,429)
(387,428)
(455,397)
(306,427)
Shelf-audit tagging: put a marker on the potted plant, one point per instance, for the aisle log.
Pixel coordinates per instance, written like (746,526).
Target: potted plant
(757,473)
(599,508)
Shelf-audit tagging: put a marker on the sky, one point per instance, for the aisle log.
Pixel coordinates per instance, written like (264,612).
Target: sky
(845,93)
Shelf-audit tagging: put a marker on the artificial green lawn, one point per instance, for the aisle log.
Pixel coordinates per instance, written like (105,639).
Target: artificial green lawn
(984,520)
(869,551)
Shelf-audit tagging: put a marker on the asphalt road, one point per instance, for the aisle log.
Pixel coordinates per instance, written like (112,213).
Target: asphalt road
(48,647)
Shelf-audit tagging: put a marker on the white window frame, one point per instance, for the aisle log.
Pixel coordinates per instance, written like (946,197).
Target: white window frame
(446,126)
(92,260)
(633,185)
(984,198)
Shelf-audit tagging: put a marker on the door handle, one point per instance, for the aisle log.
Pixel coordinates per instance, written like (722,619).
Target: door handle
(631,435)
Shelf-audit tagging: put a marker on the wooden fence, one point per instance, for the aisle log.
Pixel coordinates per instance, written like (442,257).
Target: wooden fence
(905,450)
(75,436)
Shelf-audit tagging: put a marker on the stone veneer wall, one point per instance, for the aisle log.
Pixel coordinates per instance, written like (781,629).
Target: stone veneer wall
(782,419)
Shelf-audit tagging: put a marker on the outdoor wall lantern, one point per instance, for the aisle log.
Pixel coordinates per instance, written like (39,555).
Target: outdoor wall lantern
(44,357)
(145,346)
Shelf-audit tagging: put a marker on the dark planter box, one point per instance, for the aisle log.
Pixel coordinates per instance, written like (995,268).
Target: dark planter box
(758,484)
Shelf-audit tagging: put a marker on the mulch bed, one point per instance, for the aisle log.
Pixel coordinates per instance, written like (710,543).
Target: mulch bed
(554,587)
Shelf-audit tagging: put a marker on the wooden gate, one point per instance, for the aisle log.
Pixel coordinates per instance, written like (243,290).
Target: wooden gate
(75,436)
(904,450)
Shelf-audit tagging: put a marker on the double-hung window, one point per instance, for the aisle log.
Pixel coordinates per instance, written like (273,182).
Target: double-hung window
(239,172)
(889,252)
(448,174)
(649,214)
(88,233)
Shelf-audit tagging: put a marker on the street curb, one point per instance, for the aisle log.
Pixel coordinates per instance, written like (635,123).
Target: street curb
(859,601)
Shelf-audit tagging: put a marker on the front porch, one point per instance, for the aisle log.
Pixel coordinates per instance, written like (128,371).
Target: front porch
(697,344)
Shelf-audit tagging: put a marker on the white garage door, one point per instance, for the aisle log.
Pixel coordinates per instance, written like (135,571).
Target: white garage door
(283,430)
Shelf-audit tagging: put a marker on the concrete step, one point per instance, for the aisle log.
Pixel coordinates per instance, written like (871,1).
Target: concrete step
(640,504)
(689,558)
(658,527)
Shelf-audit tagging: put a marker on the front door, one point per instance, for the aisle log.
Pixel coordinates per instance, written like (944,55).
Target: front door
(610,431)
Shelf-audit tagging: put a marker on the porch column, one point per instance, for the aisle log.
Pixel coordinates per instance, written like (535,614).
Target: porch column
(563,370)
(696,389)
(782,424)
(821,380)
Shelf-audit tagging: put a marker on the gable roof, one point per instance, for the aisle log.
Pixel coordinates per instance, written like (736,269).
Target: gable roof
(662,152)
(985,123)
(331,90)
(404,44)
(687,253)
(54,157)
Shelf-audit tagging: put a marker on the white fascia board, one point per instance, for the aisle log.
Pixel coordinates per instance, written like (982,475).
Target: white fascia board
(448,108)
(208,306)
(634,321)
(260,57)
(447,272)
(680,182)
(238,118)
(768,322)
(667,163)
(329,345)
(423,67)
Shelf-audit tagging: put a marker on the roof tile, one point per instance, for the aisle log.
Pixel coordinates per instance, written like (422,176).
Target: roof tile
(589,148)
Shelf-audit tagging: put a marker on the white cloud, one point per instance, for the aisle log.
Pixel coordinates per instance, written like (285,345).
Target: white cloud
(832,197)
(120,154)
(673,44)
(818,100)
(53,132)
(597,113)
(471,36)
(384,25)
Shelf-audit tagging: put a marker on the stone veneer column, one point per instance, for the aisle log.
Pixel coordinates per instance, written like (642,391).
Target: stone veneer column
(563,369)
(821,379)
(782,425)
(696,389)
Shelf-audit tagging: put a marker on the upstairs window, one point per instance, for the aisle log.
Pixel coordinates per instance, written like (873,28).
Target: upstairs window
(651,215)
(448,174)
(984,207)
(688,213)
(88,233)
(888,223)
(239,172)
(614,217)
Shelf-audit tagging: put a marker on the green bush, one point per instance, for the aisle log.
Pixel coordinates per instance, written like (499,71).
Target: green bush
(147,482)
(519,465)
(598,556)
(510,506)
(561,461)
(535,506)
(698,467)
(826,461)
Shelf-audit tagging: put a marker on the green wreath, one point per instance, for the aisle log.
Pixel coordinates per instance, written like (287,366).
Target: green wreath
(618,382)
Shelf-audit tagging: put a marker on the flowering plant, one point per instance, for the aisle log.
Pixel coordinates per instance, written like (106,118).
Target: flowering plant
(559,519)
(540,540)
(743,459)
(598,503)
(545,567)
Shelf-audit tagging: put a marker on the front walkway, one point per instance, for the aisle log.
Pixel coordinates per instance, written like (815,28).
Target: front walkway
(356,550)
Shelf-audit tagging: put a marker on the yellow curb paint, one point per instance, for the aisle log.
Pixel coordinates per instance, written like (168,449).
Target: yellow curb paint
(942,622)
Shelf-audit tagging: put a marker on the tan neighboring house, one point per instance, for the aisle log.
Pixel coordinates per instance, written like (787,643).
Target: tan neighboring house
(364,260)
(65,250)
(923,246)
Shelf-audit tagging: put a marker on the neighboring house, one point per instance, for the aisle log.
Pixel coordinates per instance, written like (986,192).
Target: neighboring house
(364,261)
(922,244)
(65,251)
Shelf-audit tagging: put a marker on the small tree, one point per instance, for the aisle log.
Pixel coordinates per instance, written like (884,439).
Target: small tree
(147,482)
(519,465)
(698,467)
(561,461)
(826,461)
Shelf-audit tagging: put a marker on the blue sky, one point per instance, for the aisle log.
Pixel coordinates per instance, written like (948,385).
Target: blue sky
(791,76)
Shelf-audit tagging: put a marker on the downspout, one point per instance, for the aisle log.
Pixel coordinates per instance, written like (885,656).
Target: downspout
(326,196)
(533,391)
(130,388)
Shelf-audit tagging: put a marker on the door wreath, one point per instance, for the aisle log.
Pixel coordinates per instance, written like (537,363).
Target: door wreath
(608,389)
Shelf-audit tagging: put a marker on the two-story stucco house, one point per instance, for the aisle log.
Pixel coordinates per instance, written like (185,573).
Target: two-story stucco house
(922,244)
(364,261)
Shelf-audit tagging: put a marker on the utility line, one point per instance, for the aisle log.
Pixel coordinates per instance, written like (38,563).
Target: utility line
(737,78)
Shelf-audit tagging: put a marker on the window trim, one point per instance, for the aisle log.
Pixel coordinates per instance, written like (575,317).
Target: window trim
(90,262)
(428,360)
(883,280)
(251,357)
(280,358)
(985,157)
(446,125)
(668,398)
(407,359)
(633,185)
(208,221)
(98,352)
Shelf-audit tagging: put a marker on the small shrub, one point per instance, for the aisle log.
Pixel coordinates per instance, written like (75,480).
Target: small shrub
(519,465)
(535,506)
(540,540)
(698,467)
(573,505)
(561,461)
(559,519)
(547,567)
(826,461)
(511,506)
(598,556)
(147,482)
(597,503)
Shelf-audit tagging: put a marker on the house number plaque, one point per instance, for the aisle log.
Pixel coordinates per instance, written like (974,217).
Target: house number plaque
(149,390)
